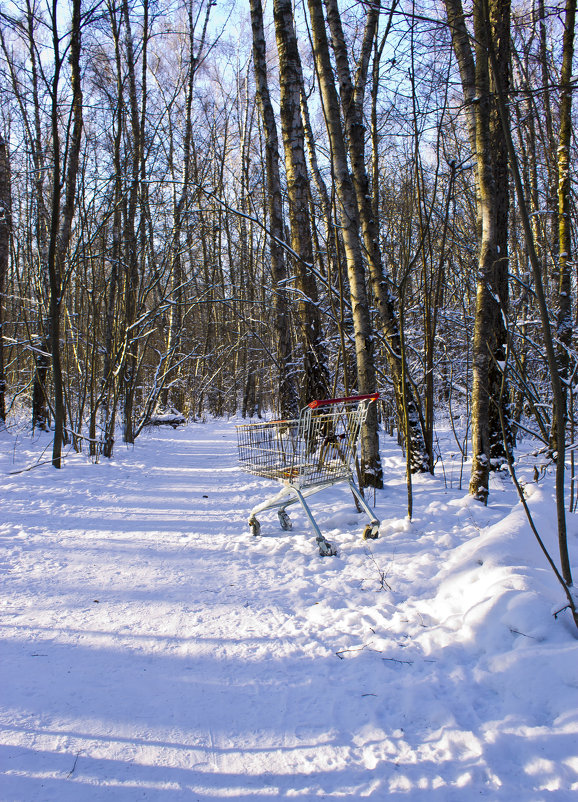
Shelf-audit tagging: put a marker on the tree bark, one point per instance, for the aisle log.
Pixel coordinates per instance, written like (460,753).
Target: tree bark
(130,236)
(351,95)
(41,354)
(499,12)
(371,470)
(492,192)
(62,210)
(316,384)
(109,382)
(288,397)
(5,229)
(564,317)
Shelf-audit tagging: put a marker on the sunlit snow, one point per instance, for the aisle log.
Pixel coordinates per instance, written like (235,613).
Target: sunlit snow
(153,649)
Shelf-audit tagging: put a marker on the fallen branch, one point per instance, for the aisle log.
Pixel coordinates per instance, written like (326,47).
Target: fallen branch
(382,574)
(395,660)
(358,649)
(71,772)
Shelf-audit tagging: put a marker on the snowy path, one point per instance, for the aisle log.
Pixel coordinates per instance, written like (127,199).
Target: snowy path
(151,649)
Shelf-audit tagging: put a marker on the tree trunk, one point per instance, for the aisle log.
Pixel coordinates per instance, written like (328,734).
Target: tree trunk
(109,382)
(5,228)
(62,215)
(499,11)
(175,395)
(407,405)
(40,409)
(316,383)
(492,192)
(557,391)
(467,67)
(130,237)
(288,399)
(371,470)
(564,318)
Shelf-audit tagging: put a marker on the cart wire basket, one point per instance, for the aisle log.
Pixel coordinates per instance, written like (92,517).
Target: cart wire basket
(307,455)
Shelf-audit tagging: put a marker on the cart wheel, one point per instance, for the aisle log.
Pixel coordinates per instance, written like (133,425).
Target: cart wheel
(285,521)
(326,549)
(254,526)
(371,531)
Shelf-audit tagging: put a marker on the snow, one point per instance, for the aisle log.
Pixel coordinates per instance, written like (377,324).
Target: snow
(154,650)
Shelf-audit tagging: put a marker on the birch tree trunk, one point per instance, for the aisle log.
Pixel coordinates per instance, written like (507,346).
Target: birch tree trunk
(288,398)
(371,470)
(5,227)
(352,96)
(485,131)
(316,383)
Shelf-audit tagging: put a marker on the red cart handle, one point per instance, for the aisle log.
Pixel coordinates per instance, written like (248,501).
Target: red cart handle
(349,399)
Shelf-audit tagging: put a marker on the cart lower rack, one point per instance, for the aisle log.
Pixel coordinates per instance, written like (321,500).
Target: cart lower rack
(307,455)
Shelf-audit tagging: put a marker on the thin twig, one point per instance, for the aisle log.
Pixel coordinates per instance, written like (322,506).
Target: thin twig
(71,772)
(382,574)
(395,660)
(37,464)
(522,497)
(357,649)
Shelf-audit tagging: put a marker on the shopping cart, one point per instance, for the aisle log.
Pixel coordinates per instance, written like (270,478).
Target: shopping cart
(307,455)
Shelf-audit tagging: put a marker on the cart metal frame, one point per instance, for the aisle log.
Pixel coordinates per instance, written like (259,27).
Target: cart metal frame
(308,454)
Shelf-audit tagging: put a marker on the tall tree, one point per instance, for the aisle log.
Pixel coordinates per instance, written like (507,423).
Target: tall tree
(352,99)
(288,400)
(371,471)
(490,331)
(131,251)
(5,228)
(564,321)
(109,383)
(551,356)
(194,57)
(62,207)
(316,384)
(31,122)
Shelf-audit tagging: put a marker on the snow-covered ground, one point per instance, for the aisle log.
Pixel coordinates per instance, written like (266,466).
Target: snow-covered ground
(152,649)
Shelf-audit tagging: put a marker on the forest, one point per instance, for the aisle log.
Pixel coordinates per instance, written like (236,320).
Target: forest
(221,208)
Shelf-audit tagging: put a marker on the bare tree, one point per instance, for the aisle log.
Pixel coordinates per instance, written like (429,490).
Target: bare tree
(549,346)
(32,125)
(5,230)
(490,332)
(298,190)
(62,206)
(371,471)
(131,252)
(288,399)
(194,57)
(352,99)
(564,323)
